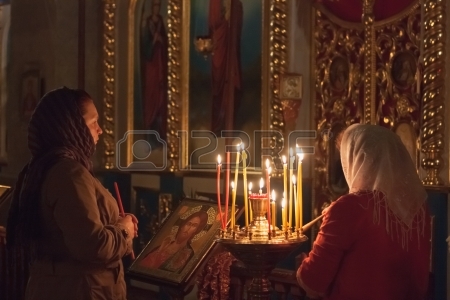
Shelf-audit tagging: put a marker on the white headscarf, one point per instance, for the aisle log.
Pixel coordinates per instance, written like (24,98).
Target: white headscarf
(375,159)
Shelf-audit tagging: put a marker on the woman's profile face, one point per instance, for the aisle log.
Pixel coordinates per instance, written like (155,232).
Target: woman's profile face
(91,118)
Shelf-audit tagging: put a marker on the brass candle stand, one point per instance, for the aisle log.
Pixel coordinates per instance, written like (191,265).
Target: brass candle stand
(259,248)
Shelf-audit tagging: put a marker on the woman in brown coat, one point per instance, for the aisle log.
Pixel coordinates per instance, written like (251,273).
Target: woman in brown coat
(61,214)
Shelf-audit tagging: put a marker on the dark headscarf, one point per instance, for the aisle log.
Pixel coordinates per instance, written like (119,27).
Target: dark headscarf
(56,130)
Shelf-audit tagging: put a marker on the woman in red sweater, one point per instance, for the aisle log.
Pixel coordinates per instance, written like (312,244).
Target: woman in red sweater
(374,243)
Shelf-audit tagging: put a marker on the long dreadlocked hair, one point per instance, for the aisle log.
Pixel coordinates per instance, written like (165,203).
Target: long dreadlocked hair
(56,130)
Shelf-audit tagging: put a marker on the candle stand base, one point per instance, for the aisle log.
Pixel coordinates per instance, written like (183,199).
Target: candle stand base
(259,250)
(260,256)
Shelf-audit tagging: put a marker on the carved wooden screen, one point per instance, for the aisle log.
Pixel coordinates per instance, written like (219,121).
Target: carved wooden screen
(384,73)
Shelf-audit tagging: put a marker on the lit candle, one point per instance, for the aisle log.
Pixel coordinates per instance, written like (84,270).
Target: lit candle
(250,185)
(284,179)
(283,214)
(236,172)
(268,210)
(227,185)
(244,174)
(291,158)
(273,210)
(291,173)
(299,188)
(268,169)
(233,204)
(294,182)
(219,160)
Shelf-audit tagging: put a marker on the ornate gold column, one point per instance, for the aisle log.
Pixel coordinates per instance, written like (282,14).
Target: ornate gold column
(432,131)
(174,28)
(278,55)
(369,62)
(109,83)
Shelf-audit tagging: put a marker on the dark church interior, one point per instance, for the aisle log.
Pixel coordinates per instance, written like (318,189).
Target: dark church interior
(225,118)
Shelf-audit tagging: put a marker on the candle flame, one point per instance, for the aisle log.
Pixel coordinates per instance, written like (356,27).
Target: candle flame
(294,179)
(250,185)
(284,159)
(232,185)
(267,163)
(269,170)
(261,183)
(291,152)
(300,154)
(283,203)
(242,146)
(219,159)
(238,146)
(273,195)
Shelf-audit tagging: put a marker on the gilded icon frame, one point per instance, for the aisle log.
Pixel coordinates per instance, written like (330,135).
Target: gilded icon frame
(175,270)
(175,153)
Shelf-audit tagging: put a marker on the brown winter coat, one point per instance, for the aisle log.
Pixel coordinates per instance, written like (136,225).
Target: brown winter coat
(80,253)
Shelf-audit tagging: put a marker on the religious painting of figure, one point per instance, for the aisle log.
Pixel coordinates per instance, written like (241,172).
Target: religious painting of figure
(181,242)
(30,94)
(225,84)
(404,69)
(339,73)
(151,67)
(291,87)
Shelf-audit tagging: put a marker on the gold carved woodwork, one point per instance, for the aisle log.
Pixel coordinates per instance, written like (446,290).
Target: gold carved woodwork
(369,60)
(108,83)
(277,67)
(174,115)
(397,97)
(379,72)
(433,116)
(339,88)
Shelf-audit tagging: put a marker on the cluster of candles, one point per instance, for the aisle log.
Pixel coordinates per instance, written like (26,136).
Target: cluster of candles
(291,202)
